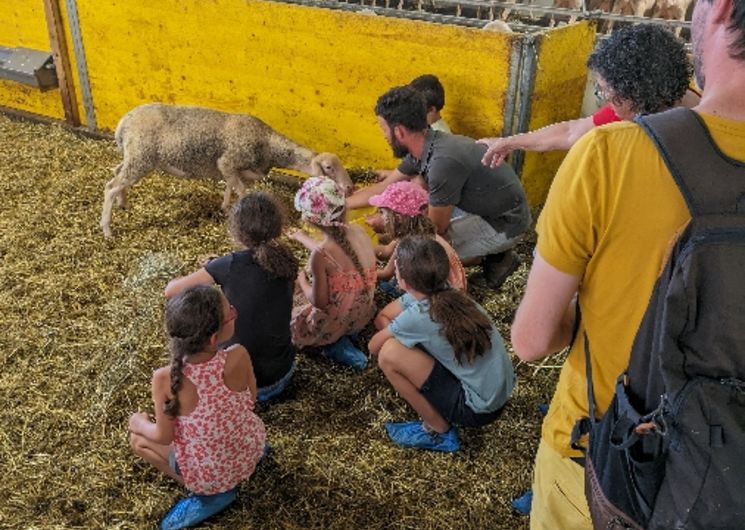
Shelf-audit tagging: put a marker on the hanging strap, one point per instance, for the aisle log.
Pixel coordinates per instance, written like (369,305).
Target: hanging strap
(709,181)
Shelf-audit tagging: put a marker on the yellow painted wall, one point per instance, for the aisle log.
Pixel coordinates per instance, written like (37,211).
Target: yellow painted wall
(313,74)
(557,96)
(22,24)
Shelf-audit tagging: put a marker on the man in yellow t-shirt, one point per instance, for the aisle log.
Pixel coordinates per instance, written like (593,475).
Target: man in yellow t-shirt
(612,211)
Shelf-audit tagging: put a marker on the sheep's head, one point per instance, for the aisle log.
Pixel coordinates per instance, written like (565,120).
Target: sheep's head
(329,165)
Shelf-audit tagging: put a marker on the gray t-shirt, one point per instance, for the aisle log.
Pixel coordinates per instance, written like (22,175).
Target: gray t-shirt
(451,166)
(487,382)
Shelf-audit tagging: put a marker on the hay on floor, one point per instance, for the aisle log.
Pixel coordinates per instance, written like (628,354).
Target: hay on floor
(82,331)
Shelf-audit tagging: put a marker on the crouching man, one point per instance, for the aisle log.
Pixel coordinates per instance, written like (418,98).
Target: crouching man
(483,211)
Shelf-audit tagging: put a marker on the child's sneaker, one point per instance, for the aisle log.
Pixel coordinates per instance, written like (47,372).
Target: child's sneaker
(345,352)
(413,434)
(193,510)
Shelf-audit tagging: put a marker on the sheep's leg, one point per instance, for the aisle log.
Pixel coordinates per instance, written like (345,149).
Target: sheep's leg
(234,179)
(116,191)
(121,197)
(111,193)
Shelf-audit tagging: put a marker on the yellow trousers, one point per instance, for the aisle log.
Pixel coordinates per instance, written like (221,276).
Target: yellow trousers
(558,493)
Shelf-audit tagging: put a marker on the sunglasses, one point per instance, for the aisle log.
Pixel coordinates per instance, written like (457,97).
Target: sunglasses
(602,94)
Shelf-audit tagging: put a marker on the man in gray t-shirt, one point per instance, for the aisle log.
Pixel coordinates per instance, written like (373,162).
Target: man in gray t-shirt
(482,210)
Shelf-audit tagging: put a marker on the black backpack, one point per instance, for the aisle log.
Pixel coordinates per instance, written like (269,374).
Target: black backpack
(670,451)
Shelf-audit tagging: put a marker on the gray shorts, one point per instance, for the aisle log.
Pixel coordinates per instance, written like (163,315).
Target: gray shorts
(472,237)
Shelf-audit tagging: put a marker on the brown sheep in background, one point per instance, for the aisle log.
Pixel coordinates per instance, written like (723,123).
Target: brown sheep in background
(672,10)
(199,142)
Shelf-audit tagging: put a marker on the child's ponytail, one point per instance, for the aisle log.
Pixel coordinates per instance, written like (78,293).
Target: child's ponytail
(256,222)
(192,317)
(423,264)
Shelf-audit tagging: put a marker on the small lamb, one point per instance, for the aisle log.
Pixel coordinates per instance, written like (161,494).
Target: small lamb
(198,142)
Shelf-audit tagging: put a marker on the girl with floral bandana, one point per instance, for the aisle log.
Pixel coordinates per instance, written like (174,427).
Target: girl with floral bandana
(339,280)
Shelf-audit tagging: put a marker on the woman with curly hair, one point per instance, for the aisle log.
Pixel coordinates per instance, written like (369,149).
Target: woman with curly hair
(641,69)
(258,280)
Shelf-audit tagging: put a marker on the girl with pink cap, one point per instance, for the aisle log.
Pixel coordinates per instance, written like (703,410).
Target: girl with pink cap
(404,209)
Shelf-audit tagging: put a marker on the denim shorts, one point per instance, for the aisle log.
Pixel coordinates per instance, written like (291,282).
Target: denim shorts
(471,236)
(445,393)
(172,462)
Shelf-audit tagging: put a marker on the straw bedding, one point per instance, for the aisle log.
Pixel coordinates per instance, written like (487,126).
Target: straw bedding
(82,332)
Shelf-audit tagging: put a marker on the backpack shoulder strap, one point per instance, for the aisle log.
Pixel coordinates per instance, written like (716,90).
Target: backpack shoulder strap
(695,162)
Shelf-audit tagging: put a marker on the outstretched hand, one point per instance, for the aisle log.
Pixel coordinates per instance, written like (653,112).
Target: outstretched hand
(382,174)
(498,149)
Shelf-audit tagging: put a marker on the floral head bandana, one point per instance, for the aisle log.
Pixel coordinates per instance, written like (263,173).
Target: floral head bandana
(321,202)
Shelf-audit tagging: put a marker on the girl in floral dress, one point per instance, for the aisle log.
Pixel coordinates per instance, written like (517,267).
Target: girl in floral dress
(338,283)
(205,434)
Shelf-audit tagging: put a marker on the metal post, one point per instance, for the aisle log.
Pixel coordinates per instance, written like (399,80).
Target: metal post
(527,82)
(510,104)
(77,44)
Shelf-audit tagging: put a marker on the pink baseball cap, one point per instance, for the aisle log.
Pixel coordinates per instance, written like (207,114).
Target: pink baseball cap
(402,197)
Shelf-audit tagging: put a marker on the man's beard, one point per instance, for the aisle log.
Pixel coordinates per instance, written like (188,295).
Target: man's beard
(399,149)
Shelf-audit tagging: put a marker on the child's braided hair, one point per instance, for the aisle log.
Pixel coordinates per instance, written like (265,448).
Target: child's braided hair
(192,317)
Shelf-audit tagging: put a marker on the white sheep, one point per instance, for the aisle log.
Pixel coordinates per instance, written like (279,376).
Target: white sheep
(198,142)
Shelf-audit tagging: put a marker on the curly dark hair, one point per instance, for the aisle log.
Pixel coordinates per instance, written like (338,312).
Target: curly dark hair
(402,105)
(423,264)
(644,64)
(430,87)
(192,317)
(256,222)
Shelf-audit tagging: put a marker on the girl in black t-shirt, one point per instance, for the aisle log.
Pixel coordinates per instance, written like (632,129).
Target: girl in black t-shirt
(258,281)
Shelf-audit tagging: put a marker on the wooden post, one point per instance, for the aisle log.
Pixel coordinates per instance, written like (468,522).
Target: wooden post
(61,61)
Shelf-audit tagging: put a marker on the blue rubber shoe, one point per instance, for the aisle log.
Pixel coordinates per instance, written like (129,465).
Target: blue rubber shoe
(543,408)
(193,510)
(523,503)
(413,434)
(345,352)
(390,288)
(265,452)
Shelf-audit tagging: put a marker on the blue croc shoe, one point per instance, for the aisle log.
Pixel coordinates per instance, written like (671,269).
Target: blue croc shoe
(193,510)
(413,434)
(523,503)
(345,352)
